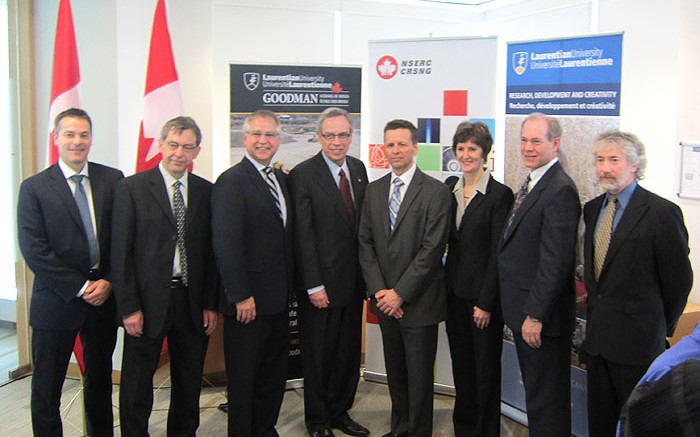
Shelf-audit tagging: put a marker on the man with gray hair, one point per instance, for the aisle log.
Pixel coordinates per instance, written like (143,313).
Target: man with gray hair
(637,274)
(328,189)
(165,280)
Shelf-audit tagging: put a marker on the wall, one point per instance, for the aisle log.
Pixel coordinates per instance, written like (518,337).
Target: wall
(660,92)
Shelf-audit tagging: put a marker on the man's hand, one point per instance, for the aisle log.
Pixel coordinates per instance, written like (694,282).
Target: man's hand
(389,302)
(133,324)
(481,318)
(319,299)
(97,292)
(532,331)
(210,319)
(245,310)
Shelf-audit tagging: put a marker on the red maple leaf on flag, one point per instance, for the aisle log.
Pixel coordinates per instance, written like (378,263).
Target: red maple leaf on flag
(336,88)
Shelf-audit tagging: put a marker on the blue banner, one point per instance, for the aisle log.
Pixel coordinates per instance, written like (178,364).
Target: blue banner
(576,76)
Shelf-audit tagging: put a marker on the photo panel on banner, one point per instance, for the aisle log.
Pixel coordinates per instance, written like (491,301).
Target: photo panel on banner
(576,80)
(297,94)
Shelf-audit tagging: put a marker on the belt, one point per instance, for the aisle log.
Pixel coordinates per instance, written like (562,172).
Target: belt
(94,274)
(177,283)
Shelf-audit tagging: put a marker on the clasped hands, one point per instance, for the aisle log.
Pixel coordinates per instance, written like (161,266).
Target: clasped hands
(389,302)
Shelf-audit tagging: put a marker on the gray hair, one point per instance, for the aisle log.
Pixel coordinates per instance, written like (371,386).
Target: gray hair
(179,125)
(262,113)
(553,126)
(630,145)
(330,113)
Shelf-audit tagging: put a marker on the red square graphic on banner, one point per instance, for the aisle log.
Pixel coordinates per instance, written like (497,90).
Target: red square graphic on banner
(377,157)
(455,102)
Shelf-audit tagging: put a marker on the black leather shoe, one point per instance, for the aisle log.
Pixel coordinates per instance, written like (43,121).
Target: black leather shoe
(322,433)
(350,427)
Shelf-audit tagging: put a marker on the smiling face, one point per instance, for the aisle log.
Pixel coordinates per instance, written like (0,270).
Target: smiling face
(262,139)
(74,139)
(470,157)
(178,150)
(400,149)
(335,149)
(535,147)
(615,171)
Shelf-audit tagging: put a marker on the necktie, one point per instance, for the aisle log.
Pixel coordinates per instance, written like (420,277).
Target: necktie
(395,201)
(519,198)
(179,209)
(86,217)
(269,173)
(602,240)
(344,186)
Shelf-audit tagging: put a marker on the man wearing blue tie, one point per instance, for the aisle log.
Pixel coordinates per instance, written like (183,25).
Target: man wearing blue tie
(64,218)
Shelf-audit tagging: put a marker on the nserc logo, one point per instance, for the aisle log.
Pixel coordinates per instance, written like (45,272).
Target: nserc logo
(387,67)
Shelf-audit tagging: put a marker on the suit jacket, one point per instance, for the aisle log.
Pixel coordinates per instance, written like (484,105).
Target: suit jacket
(644,282)
(53,242)
(472,254)
(409,259)
(143,247)
(325,238)
(252,245)
(537,256)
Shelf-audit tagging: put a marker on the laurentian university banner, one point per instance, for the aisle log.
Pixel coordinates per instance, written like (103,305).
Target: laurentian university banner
(576,80)
(436,84)
(298,94)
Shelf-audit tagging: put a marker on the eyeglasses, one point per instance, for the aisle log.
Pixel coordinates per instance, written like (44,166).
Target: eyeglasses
(188,147)
(268,135)
(341,136)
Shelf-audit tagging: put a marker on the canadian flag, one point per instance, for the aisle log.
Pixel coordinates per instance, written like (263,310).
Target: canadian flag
(162,98)
(66,74)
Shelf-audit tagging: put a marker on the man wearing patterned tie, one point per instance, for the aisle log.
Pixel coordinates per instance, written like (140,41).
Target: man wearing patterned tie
(328,190)
(165,280)
(252,223)
(404,226)
(536,277)
(637,275)
(64,219)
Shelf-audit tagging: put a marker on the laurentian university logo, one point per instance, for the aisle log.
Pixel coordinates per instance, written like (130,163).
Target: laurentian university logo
(251,80)
(520,62)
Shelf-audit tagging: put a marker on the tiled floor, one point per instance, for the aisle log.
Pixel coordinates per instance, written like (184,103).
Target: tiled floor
(372,409)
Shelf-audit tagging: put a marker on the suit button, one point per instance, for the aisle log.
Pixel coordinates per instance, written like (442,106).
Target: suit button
(175,237)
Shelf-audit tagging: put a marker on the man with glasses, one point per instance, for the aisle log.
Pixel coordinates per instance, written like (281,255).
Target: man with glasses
(328,190)
(252,225)
(165,280)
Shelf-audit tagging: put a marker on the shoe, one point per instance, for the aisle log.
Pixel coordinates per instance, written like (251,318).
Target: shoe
(391,434)
(322,433)
(350,427)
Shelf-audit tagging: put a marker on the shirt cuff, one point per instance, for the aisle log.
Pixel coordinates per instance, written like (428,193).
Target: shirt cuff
(82,289)
(315,289)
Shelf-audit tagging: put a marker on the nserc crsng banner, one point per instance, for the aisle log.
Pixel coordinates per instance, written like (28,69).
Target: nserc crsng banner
(576,80)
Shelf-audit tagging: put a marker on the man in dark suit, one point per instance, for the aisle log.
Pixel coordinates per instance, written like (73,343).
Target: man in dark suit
(328,190)
(404,227)
(637,275)
(536,273)
(165,280)
(252,223)
(64,219)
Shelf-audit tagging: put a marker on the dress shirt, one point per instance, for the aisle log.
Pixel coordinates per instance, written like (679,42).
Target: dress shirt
(261,170)
(407,177)
(458,192)
(68,173)
(536,174)
(169,180)
(623,199)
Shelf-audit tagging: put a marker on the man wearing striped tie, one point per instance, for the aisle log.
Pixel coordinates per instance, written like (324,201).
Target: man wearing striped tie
(637,274)
(252,229)
(403,231)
